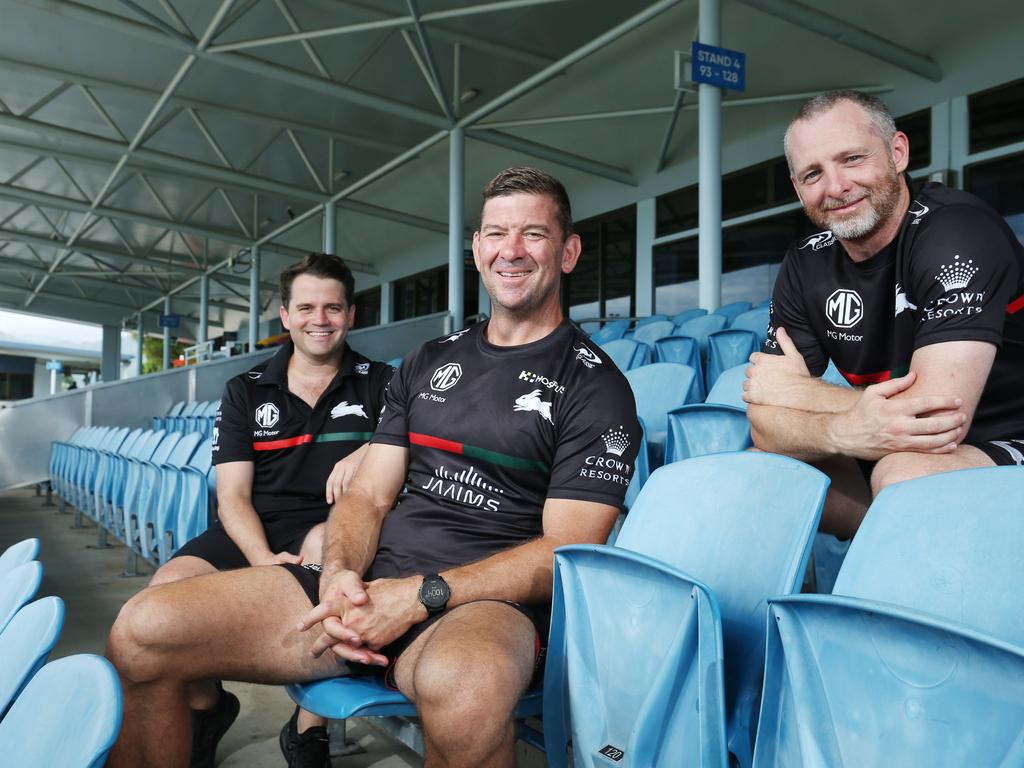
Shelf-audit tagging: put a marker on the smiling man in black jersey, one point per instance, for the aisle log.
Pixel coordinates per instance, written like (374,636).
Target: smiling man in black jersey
(496,444)
(914,291)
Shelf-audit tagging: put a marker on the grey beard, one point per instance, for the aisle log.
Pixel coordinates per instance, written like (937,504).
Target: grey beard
(855,229)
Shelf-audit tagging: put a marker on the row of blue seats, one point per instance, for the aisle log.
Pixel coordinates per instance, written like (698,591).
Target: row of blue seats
(151,489)
(198,416)
(915,659)
(62,713)
(738,314)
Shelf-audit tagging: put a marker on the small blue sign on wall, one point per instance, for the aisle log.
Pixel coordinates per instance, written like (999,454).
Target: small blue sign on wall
(54,365)
(170,321)
(719,66)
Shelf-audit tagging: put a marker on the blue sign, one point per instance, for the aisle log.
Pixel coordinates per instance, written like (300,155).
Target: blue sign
(719,66)
(170,321)
(54,365)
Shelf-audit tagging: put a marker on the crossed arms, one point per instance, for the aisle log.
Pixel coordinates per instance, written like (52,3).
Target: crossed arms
(358,618)
(927,411)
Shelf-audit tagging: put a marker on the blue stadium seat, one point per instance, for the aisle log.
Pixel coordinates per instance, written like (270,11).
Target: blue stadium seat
(641,469)
(688,314)
(96,463)
(141,450)
(610,331)
(395,362)
(702,428)
(755,320)
(833,376)
(102,490)
(24,551)
(59,453)
(642,321)
(182,499)
(916,658)
(138,485)
(659,388)
(161,422)
(732,309)
(627,354)
(728,348)
(25,643)
(81,698)
(684,350)
(651,332)
(17,587)
(158,479)
(700,328)
(728,389)
(618,673)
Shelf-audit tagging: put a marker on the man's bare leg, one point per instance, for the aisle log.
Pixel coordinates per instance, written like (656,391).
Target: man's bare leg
(848,496)
(239,625)
(466,674)
(312,552)
(897,467)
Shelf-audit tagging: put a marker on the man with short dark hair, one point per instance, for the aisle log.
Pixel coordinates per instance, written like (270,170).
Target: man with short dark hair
(914,291)
(499,443)
(288,436)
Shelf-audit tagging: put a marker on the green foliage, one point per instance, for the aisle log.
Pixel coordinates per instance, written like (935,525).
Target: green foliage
(153,353)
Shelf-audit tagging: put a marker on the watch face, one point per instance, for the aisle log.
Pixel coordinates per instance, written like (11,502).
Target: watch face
(434,593)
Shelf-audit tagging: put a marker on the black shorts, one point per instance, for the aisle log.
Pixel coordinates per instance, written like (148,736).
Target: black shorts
(308,577)
(1005,453)
(284,534)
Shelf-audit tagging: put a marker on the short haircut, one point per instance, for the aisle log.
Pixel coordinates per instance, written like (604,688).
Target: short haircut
(531,181)
(878,114)
(321,265)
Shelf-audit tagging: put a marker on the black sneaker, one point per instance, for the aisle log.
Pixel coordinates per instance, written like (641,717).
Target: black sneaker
(208,726)
(309,749)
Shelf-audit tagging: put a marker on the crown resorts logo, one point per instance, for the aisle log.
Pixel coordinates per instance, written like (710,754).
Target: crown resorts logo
(956,275)
(615,441)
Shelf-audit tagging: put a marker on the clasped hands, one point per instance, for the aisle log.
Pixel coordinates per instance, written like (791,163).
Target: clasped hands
(358,618)
(873,423)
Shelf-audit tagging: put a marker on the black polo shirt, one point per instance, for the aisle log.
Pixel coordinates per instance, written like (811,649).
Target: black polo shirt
(294,447)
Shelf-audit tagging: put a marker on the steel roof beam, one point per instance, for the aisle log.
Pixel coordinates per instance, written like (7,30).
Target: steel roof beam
(78,12)
(554,155)
(847,34)
(206,106)
(161,163)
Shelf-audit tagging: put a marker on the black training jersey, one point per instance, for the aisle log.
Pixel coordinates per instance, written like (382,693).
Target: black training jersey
(955,271)
(294,447)
(494,431)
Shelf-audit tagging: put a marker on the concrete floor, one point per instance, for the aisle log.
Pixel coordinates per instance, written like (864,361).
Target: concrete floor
(90,583)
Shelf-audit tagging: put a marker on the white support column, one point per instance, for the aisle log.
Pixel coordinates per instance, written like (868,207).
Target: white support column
(709,117)
(139,345)
(456,183)
(254,298)
(386,313)
(330,228)
(645,231)
(110,364)
(167,336)
(204,309)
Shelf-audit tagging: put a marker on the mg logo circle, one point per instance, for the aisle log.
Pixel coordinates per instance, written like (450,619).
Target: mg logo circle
(446,377)
(844,308)
(267,415)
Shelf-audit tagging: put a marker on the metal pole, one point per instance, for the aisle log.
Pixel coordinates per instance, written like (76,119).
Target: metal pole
(709,184)
(456,185)
(204,309)
(167,336)
(139,345)
(331,229)
(254,298)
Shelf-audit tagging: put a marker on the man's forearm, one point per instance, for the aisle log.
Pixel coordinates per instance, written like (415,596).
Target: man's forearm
(804,435)
(353,530)
(243,525)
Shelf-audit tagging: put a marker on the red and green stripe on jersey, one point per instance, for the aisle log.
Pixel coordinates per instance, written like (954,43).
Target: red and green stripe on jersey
(476,452)
(863,379)
(291,442)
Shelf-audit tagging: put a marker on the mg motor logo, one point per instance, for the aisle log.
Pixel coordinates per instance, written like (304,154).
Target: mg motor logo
(844,308)
(267,415)
(446,377)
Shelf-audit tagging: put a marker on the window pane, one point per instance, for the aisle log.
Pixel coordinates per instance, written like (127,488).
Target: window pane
(367,308)
(603,282)
(1000,183)
(996,116)
(676,211)
(918,127)
(619,252)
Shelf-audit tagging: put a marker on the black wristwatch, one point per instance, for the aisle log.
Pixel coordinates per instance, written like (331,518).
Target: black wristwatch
(434,594)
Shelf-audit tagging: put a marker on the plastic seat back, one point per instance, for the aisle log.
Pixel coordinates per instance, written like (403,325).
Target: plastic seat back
(948,545)
(17,587)
(684,350)
(642,321)
(732,309)
(727,349)
(659,388)
(627,354)
(697,516)
(25,643)
(641,469)
(17,554)
(688,314)
(610,331)
(702,428)
(649,333)
(81,698)
(700,328)
(728,389)
(755,320)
